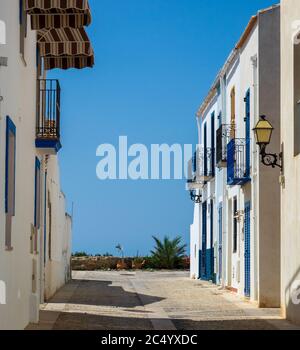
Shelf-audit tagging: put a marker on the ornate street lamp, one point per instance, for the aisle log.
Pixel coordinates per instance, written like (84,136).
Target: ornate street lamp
(196,198)
(263,134)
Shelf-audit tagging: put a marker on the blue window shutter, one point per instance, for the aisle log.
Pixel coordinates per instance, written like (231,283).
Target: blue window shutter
(10,128)
(195,162)
(21,11)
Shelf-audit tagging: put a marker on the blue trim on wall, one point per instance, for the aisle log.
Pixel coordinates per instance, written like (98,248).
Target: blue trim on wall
(45,218)
(42,143)
(37,169)
(10,127)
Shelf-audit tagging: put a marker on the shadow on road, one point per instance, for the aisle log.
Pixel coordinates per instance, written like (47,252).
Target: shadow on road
(86,321)
(103,293)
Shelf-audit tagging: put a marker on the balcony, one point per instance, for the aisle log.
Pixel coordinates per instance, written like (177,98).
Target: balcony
(224,134)
(238,162)
(206,164)
(48,116)
(193,182)
(201,168)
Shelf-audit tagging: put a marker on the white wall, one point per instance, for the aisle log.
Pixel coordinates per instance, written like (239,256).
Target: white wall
(290,218)
(58,263)
(18,88)
(18,91)
(195,243)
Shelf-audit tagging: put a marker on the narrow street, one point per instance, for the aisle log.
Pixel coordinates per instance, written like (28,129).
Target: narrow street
(150,301)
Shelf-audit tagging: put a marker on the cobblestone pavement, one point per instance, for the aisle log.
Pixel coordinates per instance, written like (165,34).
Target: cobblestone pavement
(151,300)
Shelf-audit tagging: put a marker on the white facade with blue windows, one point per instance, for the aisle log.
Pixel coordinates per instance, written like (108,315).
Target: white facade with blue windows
(235,237)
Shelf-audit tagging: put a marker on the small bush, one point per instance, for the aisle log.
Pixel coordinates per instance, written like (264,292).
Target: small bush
(80,254)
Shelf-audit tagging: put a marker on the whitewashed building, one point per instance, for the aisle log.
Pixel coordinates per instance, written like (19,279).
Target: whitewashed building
(235,237)
(290,136)
(35,231)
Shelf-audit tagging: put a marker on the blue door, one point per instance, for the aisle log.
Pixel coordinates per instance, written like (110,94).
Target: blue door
(220,241)
(247,249)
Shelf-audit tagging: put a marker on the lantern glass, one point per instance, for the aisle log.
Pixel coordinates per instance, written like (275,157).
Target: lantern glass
(263,132)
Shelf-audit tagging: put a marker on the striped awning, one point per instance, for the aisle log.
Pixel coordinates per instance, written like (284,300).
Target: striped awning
(58,13)
(78,62)
(65,48)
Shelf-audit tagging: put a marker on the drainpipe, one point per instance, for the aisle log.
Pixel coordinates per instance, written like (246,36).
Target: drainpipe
(255,183)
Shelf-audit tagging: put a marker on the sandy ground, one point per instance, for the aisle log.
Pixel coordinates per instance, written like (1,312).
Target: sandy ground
(151,301)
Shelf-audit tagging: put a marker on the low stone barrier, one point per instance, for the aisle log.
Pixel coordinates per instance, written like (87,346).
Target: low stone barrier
(112,263)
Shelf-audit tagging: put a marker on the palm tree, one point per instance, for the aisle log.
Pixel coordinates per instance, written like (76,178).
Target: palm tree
(168,254)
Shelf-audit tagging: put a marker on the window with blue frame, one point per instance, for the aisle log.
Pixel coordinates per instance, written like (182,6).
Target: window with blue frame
(23,26)
(10,179)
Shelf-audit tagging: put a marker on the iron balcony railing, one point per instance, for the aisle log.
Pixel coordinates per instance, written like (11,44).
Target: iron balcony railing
(238,161)
(48,111)
(224,134)
(204,164)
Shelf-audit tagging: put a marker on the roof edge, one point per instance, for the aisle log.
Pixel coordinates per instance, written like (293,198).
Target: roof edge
(231,57)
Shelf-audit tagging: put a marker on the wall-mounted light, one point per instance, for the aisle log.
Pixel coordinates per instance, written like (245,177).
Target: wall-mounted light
(263,134)
(196,198)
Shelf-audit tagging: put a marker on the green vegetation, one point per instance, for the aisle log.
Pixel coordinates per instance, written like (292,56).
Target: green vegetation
(168,254)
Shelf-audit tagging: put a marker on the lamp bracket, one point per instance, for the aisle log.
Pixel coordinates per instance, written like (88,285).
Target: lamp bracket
(197,199)
(271,159)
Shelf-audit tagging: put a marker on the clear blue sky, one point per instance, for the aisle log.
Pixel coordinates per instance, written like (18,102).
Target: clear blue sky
(155,60)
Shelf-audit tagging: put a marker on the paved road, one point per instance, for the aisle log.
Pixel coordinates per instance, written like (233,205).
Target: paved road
(150,301)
